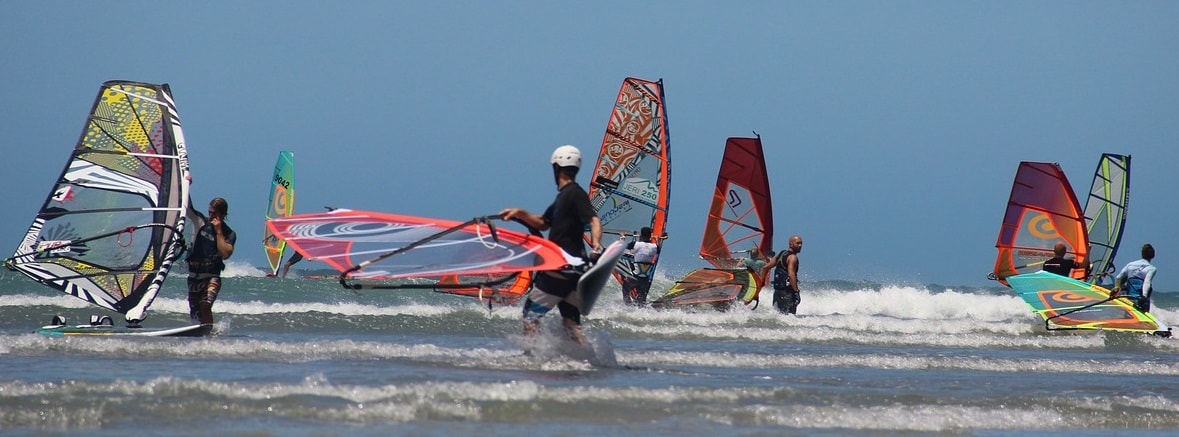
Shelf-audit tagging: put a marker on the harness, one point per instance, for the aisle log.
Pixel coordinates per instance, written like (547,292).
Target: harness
(205,266)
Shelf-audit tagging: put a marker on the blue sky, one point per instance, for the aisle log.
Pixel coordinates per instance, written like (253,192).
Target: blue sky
(892,129)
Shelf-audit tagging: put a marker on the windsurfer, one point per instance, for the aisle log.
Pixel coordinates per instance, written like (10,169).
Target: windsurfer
(1136,279)
(787,295)
(286,267)
(756,263)
(566,219)
(645,253)
(212,245)
(1062,266)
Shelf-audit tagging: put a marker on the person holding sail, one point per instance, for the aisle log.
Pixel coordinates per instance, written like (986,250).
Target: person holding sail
(286,267)
(645,252)
(212,244)
(566,220)
(756,263)
(1062,266)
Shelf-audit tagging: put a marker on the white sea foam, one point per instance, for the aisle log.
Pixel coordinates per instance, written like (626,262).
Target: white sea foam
(315,397)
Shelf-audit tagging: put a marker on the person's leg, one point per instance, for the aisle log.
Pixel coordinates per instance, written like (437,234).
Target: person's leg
(781,301)
(794,299)
(571,318)
(195,287)
(205,305)
(644,289)
(628,291)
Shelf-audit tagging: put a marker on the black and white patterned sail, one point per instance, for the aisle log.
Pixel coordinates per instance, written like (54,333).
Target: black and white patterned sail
(113,223)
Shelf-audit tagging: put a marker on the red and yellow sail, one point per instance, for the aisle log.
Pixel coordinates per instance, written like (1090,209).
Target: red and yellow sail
(1041,211)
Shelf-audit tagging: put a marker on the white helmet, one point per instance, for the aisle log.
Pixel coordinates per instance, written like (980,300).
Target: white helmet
(567,156)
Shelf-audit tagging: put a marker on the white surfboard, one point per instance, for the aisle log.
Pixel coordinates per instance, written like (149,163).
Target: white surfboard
(590,286)
(109,330)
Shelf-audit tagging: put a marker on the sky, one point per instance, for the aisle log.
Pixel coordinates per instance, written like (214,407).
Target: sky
(892,129)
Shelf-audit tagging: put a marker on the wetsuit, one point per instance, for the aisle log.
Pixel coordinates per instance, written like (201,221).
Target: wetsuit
(637,287)
(1137,277)
(1061,266)
(205,265)
(786,295)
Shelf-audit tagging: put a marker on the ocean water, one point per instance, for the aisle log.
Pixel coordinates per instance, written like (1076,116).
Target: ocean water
(306,357)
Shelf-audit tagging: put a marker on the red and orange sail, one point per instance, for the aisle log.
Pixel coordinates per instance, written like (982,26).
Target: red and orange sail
(740,217)
(1041,211)
(378,246)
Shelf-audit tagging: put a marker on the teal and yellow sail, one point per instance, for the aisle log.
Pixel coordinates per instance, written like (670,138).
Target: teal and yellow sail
(1105,213)
(1066,303)
(282,204)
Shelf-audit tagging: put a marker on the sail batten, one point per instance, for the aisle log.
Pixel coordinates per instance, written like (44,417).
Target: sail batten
(113,223)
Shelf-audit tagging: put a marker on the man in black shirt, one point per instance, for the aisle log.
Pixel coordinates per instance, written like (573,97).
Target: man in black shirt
(1062,266)
(212,244)
(566,219)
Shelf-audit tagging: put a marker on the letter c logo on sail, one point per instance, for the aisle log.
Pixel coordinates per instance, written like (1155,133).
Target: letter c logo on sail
(1041,227)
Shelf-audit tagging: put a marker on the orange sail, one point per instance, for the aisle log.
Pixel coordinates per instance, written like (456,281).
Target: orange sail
(630,187)
(1041,211)
(504,289)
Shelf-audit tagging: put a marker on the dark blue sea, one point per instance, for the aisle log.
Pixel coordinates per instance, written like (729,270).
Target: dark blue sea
(306,357)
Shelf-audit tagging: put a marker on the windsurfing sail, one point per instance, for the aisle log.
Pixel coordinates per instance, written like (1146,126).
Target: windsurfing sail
(494,289)
(113,223)
(388,250)
(1041,211)
(716,287)
(1066,303)
(1105,213)
(741,214)
(740,219)
(503,289)
(282,204)
(631,187)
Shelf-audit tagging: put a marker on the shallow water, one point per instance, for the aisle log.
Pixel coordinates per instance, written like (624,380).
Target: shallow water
(307,357)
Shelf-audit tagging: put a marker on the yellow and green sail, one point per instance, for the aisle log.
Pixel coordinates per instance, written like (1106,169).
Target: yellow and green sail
(1105,213)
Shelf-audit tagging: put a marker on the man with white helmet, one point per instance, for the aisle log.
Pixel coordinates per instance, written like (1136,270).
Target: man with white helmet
(566,219)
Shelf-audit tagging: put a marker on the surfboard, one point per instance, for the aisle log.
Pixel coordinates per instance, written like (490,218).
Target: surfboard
(110,330)
(590,286)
